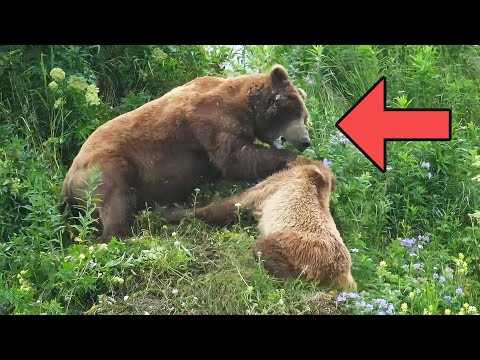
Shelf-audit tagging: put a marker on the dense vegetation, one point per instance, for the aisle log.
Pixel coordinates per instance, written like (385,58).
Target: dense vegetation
(412,231)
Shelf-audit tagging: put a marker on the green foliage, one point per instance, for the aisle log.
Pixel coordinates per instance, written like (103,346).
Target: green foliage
(53,97)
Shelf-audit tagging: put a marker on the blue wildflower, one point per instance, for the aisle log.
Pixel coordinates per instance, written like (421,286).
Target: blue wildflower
(391,309)
(459,291)
(341,297)
(327,162)
(430,175)
(417,266)
(360,304)
(382,303)
(436,276)
(369,306)
(425,165)
(353,295)
(345,140)
(408,242)
(447,298)
(442,279)
(309,80)
(381,313)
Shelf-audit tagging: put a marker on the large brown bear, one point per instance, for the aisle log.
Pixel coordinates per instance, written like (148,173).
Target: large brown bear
(199,131)
(298,236)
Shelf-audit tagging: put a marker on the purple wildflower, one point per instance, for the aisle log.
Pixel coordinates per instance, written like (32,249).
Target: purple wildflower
(417,266)
(360,304)
(447,298)
(391,309)
(369,306)
(430,175)
(345,140)
(382,303)
(408,242)
(425,165)
(327,162)
(381,313)
(459,291)
(442,279)
(436,276)
(333,141)
(309,80)
(341,297)
(423,238)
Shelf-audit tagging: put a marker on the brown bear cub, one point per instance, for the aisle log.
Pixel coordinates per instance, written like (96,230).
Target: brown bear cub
(298,236)
(194,134)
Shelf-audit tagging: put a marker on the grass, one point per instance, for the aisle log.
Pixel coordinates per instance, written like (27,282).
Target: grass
(412,231)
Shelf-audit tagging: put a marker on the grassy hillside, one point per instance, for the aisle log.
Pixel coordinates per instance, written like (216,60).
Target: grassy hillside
(412,231)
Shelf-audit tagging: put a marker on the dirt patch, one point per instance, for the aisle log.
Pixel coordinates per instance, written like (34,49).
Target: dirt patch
(323,304)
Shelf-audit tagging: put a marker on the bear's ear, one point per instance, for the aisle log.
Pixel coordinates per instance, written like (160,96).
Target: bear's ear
(315,175)
(333,183)
(279,75)
(302,93)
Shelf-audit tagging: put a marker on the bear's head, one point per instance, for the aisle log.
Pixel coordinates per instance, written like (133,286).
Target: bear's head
(279,111)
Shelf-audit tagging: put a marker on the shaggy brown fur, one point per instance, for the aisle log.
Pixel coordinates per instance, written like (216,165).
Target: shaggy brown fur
(197,132)
(298,236)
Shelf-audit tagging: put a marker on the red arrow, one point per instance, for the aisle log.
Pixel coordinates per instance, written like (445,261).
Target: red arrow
(369,124)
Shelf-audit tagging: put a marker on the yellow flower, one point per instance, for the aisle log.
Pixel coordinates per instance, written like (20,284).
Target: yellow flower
(461,312)
(91,96)
(92,99)
(25,287)
(430,309)
(103,246)
(412,294)
(461,256)
(466,305)
(58,103)
(472,310)
(23,272)
(77,83)
(404,307)
(90,248)
(82,256)
(118,280)
(53,85)
(448,311)
(57,74)
(158,55)
(383,264)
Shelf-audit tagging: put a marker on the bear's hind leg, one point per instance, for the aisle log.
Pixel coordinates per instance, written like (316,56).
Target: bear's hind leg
(274,256)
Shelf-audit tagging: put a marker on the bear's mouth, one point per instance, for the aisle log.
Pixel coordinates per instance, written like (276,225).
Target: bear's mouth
(278,143)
